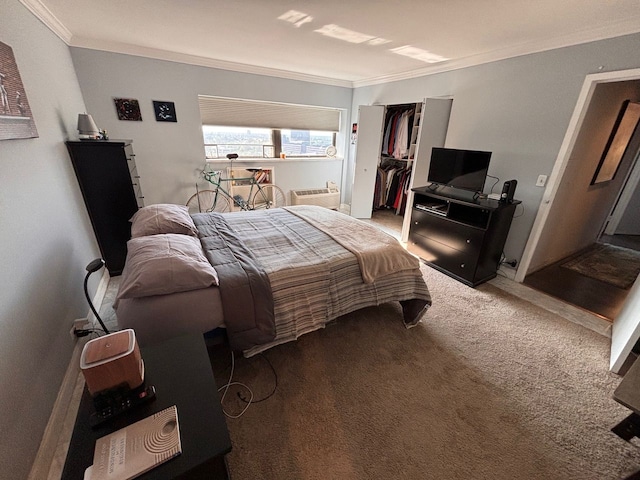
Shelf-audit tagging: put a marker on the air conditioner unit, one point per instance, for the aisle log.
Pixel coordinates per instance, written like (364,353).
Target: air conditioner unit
(323,197)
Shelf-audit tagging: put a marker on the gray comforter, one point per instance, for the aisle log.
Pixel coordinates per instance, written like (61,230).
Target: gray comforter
(282,277)
(247,301)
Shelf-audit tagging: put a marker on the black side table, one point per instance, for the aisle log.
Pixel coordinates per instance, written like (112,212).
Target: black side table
(180,371)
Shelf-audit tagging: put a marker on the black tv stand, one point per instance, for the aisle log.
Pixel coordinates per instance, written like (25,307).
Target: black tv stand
(463,238)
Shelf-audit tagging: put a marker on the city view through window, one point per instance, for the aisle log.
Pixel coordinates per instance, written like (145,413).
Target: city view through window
(263,142)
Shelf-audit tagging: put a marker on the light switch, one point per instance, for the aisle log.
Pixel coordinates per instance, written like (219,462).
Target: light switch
(542,181)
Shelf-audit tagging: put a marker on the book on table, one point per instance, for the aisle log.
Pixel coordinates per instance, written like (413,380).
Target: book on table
(137,448)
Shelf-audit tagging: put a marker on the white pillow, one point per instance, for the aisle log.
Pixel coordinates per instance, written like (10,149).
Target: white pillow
(162,218)
(165,263)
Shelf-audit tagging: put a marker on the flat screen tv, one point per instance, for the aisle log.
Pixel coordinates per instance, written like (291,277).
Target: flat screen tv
(466,169)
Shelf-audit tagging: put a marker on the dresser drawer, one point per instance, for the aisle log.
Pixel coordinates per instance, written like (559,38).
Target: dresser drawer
(133,172)
(439,228)
(460,263)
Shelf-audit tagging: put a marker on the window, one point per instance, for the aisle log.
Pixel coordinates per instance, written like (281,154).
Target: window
(305,143)
(266,129)
(264,142)
(245,141)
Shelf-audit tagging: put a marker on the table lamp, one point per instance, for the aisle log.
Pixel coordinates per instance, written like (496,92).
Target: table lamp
(87,128)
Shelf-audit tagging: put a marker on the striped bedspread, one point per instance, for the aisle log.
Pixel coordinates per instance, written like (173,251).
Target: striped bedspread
(314,279)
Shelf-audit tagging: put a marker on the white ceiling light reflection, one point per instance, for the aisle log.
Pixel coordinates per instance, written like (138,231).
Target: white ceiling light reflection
(297,18)
(334,31)
(418,54)
(340,33)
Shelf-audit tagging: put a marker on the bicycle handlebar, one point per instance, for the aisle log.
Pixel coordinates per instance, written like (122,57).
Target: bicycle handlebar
(209,175)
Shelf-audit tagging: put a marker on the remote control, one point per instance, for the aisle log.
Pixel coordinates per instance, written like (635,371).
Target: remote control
(108,407)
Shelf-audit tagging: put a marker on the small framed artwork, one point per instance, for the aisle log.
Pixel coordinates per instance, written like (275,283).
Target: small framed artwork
(16,119)
(128,109)
(621,134)
(165,111)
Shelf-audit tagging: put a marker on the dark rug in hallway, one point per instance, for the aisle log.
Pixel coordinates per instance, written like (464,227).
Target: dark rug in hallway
(608,263)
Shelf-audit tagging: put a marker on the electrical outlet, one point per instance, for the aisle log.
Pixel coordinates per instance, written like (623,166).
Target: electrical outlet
(542,181)
(78,324)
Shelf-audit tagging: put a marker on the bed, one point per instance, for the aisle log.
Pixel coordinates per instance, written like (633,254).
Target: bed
(266,276)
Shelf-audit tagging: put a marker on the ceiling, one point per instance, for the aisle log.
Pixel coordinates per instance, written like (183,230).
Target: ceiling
(350,43)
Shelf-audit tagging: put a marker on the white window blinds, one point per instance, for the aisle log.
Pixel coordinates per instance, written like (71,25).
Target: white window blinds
(252,113)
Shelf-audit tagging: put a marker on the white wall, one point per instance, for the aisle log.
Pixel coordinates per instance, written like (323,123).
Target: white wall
(517,108)
(45,242)
(168,155)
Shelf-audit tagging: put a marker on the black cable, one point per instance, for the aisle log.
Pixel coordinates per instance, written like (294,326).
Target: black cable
(275,386)
(497,180)
(86,292)
(83,332)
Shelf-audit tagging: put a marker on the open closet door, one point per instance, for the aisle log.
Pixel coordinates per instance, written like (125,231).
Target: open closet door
(432,132)
(370,122)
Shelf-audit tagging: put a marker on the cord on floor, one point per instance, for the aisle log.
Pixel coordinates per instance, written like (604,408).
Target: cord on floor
(226,389)
(240,395)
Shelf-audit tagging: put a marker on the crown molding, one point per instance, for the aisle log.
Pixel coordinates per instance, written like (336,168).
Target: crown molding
(627,27)
(157,54)
(49,19)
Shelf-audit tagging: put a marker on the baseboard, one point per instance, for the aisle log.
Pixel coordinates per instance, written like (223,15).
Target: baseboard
(63,410)
(55,440)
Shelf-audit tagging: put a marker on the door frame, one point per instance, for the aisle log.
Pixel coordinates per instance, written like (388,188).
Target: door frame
(555,179)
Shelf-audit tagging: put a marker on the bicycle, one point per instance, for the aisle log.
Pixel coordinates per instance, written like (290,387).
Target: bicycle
(218,199)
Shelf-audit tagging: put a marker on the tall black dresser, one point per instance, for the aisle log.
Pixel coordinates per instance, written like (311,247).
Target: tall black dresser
(110,185)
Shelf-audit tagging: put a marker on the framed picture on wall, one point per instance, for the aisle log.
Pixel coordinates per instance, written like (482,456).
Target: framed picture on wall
(165,111)
(16,119)
(128,109)
(616,147)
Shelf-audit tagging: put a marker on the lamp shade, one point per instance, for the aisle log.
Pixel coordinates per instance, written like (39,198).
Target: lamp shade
(86,125)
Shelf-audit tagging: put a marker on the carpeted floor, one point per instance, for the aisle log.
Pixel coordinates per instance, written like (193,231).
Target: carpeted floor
(488,386)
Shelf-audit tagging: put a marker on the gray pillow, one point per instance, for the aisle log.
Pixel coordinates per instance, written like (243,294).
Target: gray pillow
(162,218)
(163,264)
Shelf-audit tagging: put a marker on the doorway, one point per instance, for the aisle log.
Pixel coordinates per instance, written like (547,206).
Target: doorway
(599,277)
(572,211)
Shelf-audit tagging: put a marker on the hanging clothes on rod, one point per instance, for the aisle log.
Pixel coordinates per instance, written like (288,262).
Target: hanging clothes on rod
(390,189)
(396,140)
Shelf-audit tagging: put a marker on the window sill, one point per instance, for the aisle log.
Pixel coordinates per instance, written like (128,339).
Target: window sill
(226,161)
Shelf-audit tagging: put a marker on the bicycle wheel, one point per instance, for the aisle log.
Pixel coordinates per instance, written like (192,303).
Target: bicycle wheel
(268,196)
(209,201)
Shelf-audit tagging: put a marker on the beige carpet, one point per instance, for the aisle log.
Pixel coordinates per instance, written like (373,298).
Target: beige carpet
(614,265)
(487,387)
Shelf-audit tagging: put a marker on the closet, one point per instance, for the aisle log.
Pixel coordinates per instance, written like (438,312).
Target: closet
(400,133)
(392,154)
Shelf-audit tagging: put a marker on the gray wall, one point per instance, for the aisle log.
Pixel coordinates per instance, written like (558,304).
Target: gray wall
(517,108)
(630,222)
(580,209)
(168,155)
(45,242)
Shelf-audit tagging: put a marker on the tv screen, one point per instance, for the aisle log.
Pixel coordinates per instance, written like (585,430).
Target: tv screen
(466,169)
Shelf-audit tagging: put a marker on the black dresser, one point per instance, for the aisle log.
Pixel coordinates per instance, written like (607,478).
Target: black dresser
(462,238)
(110,185)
